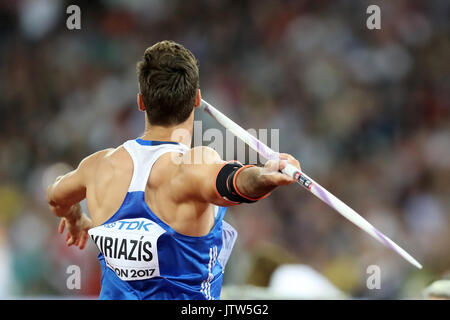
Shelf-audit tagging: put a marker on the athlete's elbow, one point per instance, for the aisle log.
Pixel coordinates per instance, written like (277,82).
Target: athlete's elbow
(49,196)
(50,191)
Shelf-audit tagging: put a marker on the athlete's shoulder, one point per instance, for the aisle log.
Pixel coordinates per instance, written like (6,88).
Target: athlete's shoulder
(200,155)
(108,157)
(95,157)
(194,179)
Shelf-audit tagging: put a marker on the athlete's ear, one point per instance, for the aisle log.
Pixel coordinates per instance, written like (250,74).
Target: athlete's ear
(198,98)
(140,102)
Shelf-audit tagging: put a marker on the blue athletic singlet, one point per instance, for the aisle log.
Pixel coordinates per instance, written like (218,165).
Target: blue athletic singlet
(144,258)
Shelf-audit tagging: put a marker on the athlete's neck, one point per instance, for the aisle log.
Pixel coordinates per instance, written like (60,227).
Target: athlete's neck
(181,133)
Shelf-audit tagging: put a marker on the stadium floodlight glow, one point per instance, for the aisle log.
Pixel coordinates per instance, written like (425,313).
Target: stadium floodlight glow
(309,184)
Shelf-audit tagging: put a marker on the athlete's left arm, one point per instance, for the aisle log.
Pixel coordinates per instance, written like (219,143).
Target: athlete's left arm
(64,196)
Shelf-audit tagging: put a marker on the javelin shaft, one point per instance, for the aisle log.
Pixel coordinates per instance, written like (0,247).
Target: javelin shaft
(312,186)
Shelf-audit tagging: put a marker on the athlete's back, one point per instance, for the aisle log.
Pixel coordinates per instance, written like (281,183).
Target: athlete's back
(141,255)
(112,175)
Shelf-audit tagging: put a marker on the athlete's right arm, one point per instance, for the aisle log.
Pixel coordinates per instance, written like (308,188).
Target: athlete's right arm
(201,177)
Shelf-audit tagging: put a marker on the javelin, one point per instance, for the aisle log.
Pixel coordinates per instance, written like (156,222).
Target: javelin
(312,186)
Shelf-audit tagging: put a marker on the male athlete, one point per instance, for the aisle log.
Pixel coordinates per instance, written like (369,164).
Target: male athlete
(156,211)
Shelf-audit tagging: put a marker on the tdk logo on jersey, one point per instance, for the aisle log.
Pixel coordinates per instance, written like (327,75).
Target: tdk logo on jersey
(130,225)
(110,225)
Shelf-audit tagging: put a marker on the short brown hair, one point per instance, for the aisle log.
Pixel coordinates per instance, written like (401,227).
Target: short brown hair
(168,81)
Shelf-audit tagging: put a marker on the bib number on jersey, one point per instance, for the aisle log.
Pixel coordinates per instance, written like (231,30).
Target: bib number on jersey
(129,247)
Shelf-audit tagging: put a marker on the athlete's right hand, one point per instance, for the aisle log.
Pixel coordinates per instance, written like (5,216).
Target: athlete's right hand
(272,170)
(77,230)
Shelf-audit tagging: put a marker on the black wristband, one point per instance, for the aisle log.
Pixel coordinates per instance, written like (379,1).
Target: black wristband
(225,186)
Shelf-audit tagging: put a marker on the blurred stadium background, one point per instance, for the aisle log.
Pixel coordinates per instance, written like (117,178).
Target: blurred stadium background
(366,112)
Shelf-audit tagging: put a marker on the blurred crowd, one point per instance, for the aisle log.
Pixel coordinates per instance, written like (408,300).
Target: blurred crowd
(365,111)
